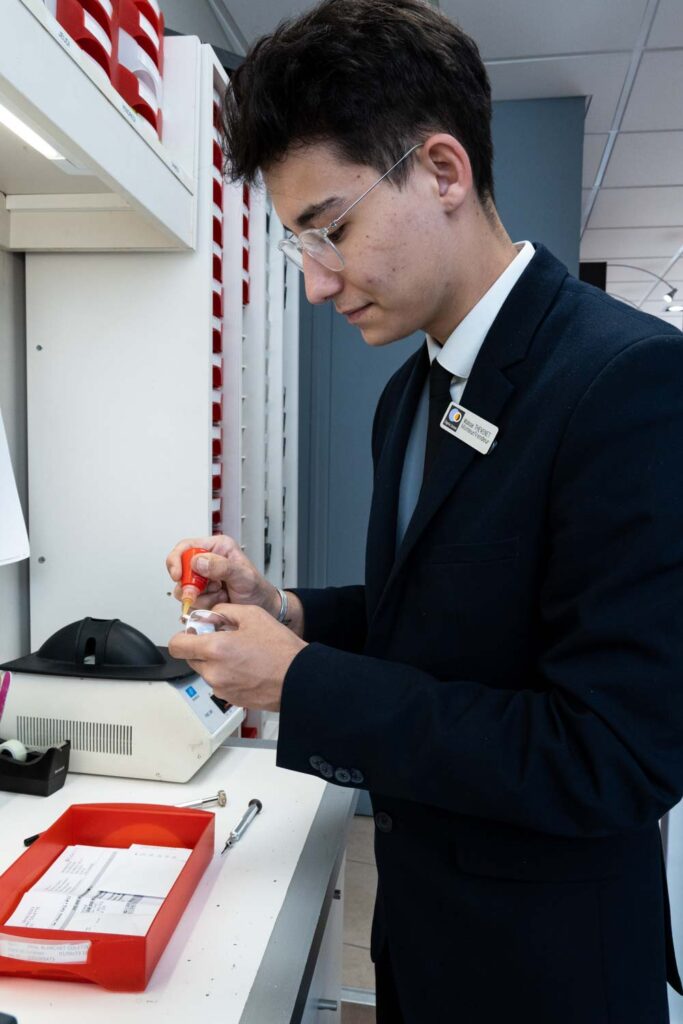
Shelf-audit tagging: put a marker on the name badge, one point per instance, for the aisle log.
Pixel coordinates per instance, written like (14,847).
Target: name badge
(475,431)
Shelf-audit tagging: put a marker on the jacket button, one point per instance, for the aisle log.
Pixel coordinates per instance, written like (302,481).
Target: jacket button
(383,822)
(342,775)
(326,770)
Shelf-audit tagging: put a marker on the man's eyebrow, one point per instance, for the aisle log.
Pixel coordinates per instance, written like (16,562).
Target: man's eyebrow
(315,209)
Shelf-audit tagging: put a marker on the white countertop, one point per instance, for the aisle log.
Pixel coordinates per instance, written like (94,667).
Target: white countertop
(209,966)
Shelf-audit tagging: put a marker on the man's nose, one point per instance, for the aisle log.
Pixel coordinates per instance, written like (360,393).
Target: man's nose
(320,282)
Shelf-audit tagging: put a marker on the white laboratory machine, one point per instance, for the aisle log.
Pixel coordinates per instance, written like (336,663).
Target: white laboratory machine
(128,708)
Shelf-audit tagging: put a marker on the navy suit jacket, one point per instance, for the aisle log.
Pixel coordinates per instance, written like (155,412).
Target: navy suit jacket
(508,684)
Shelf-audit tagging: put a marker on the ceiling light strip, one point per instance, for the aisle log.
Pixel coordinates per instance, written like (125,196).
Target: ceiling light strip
(28,135)
(626,89)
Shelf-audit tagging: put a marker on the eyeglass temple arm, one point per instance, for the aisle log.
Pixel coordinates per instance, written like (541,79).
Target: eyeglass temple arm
(341,216)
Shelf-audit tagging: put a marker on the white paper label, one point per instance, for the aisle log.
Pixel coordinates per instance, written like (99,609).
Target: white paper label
(98,32)
(133,57)
(43,952)
(147,95)
(474,430)
(148,28)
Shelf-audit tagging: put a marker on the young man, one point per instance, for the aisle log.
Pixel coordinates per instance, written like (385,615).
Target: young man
(507,681)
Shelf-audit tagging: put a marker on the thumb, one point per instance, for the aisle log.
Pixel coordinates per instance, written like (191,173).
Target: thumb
(236,614)
(213,567)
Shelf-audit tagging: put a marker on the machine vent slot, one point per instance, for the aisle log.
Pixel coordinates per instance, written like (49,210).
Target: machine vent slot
(92,737)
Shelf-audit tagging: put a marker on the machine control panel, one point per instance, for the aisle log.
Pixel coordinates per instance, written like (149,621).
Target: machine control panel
(199,696)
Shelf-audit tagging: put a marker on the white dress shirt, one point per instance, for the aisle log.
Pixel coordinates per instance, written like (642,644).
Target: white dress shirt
(457,354)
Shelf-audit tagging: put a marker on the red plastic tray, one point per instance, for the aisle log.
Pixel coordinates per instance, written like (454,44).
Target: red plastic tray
(121,963)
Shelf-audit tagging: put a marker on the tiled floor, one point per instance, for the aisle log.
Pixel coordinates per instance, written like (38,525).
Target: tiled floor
(359,898)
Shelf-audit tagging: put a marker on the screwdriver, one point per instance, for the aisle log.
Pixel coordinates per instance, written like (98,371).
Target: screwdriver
(243,824)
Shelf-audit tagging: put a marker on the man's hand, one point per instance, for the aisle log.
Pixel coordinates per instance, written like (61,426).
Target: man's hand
(232,576)
(246,664)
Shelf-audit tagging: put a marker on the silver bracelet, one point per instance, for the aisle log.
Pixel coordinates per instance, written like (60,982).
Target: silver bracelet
(282,614)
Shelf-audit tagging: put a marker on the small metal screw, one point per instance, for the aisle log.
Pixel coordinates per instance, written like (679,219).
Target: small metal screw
(41,559)
(39,348)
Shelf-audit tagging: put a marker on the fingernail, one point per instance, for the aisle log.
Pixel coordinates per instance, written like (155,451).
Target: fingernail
(202,565)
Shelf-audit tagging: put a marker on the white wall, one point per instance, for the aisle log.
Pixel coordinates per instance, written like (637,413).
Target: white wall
(14,593)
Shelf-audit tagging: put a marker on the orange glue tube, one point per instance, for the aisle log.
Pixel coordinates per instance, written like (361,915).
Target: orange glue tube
(192,583)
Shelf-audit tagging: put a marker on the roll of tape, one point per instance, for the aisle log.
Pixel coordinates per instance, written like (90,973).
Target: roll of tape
(16,748)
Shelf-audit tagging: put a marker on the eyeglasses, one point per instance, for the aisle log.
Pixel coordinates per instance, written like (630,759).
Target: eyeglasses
(317,242)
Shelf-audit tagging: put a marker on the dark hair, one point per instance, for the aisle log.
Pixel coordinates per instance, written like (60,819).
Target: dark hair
(369,77)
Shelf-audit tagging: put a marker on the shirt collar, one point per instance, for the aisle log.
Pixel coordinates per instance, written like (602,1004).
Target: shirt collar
(461,348)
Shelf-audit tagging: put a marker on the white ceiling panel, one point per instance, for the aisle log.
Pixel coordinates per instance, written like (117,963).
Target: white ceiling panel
(667,28)
(617,274)
(629,290)
(646,158)
(659,309)
(600,77)
(654,102)
(547,27)
(675,273)
(593,148)
(638,207)
(634,243)
(547,49)
(500,29)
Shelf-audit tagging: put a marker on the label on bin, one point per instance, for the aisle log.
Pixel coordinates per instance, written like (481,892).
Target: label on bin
(44,952)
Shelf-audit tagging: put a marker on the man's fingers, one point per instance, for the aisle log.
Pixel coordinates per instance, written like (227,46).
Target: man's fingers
(173,559)
(207,598)
(213,567)
(242,614)
(220,544)
(198,647)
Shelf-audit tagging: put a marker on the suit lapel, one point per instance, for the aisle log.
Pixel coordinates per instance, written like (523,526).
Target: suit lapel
(488,392)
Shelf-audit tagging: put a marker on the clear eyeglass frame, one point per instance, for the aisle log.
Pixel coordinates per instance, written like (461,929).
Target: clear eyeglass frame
(316,242)
(204,620)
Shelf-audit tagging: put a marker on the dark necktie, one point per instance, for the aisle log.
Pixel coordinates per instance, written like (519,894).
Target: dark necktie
(439,399)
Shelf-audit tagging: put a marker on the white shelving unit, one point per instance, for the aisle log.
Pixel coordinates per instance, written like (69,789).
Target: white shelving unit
(134,192)
(160,351)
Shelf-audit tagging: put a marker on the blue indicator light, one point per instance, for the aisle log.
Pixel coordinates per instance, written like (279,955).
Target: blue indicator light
(191,692)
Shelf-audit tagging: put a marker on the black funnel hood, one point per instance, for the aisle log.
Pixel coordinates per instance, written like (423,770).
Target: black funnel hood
(101,649)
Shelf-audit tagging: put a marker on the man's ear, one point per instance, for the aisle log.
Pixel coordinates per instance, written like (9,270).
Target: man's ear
(446,160)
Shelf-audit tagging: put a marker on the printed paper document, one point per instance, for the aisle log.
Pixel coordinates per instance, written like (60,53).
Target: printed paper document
(101,889)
